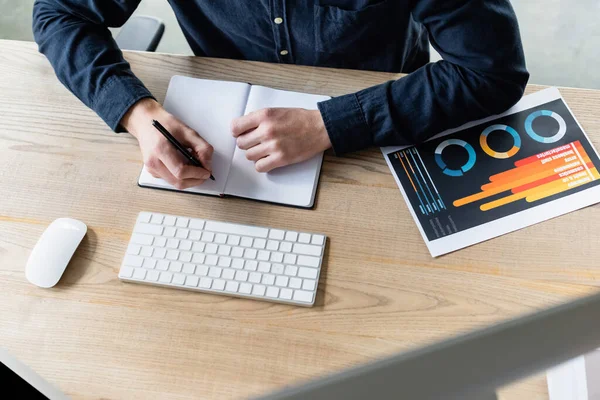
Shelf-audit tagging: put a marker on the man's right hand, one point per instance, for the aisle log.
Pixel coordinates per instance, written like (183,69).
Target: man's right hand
(160,157)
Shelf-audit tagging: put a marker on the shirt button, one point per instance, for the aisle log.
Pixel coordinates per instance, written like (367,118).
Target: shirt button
(284,52)
(278,20)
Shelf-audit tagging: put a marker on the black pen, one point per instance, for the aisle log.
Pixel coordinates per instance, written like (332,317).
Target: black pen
(178,145)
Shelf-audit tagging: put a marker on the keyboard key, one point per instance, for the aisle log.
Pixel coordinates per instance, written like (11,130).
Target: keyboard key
(259,243)
(172,254)
(185,245)
(246,242)
(152,275)
(157,219)
(144,217)
(173,243)
(211,259)
(224,250)
(160,253)
(133,261)
(211,248)
(308,261)
(290,270)
(189,269)
(195,235)
(268,279)
(263,255)
(149,263)
(245,288)
(201,270)
(301,295)
(134,249)
(273,245)
(295,283)
(220,238)
(224,262)
(215,272)
(185,256)
(304,272)
(241,276)
(250,253)
(140,238)
(277,257)
(319,240)
(277,269)
(218,284)
(250,265)
(236,229)
(182,233)
(196,224)
(309,284)
(272,291)
(198,258)
(178,279)
(237,252)
(139,273)
(281,281)
(208,237)
(165,277)
(285,247)
(205,283)
(307,249)
(228,274)
(162,265)
(169,232)
(237,263)
(169,220)
(276,234)
(264,266)
(233,240)
(304,238)
(160,242)
(182,222)
(255,277)
(198,247)
(192,281)
(149,229)
(232,286)
(289,259)
(126,272)
(146,251)
(291,236)
(258,290)
(175,266)
(285,294)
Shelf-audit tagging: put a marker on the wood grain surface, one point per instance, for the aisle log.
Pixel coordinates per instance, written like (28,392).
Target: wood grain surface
(380,291)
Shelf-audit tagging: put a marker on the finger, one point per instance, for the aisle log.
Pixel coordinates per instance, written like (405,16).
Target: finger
(257,152)
(269,163)
(200,147)
(158,170)
(188,183)
(179,169)
(246,123)
(249,139)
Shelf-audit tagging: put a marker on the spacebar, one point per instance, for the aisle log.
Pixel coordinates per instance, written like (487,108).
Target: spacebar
(236,229)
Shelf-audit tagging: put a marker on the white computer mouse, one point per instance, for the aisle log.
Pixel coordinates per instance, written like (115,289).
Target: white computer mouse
(50,256)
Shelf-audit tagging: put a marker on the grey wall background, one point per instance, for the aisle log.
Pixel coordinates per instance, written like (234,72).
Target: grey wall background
(561,37)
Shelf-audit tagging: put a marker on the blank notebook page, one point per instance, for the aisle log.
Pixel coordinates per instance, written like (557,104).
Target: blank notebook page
(208,108)
(295,184)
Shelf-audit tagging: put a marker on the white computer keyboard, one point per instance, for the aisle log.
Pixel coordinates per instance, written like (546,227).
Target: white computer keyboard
(223,258)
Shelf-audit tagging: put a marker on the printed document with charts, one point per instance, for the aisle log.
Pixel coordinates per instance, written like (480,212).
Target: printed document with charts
(208,107)
(496,175)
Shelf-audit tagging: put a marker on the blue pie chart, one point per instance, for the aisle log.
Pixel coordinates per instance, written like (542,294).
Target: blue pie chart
(457,142)
(562,126)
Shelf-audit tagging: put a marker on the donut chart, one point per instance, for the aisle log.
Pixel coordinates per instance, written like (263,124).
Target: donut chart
(457,142)
(562,126)
(496,154)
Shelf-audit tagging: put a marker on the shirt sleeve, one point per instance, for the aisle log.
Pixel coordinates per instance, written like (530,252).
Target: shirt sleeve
(74,36)
(482,73)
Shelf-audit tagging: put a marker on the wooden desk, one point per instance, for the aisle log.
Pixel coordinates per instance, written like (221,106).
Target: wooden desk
(381,292)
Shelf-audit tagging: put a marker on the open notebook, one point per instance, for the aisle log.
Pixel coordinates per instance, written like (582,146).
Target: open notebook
(208,107)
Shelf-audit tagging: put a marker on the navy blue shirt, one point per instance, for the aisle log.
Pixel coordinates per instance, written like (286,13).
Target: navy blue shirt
(482,72)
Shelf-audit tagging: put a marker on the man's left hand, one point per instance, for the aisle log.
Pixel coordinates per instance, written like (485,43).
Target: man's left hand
(276,137)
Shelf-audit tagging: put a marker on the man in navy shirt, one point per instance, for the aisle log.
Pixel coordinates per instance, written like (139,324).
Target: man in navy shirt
(482,72)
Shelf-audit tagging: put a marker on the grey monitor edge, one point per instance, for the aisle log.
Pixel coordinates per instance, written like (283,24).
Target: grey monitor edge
(470,366)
